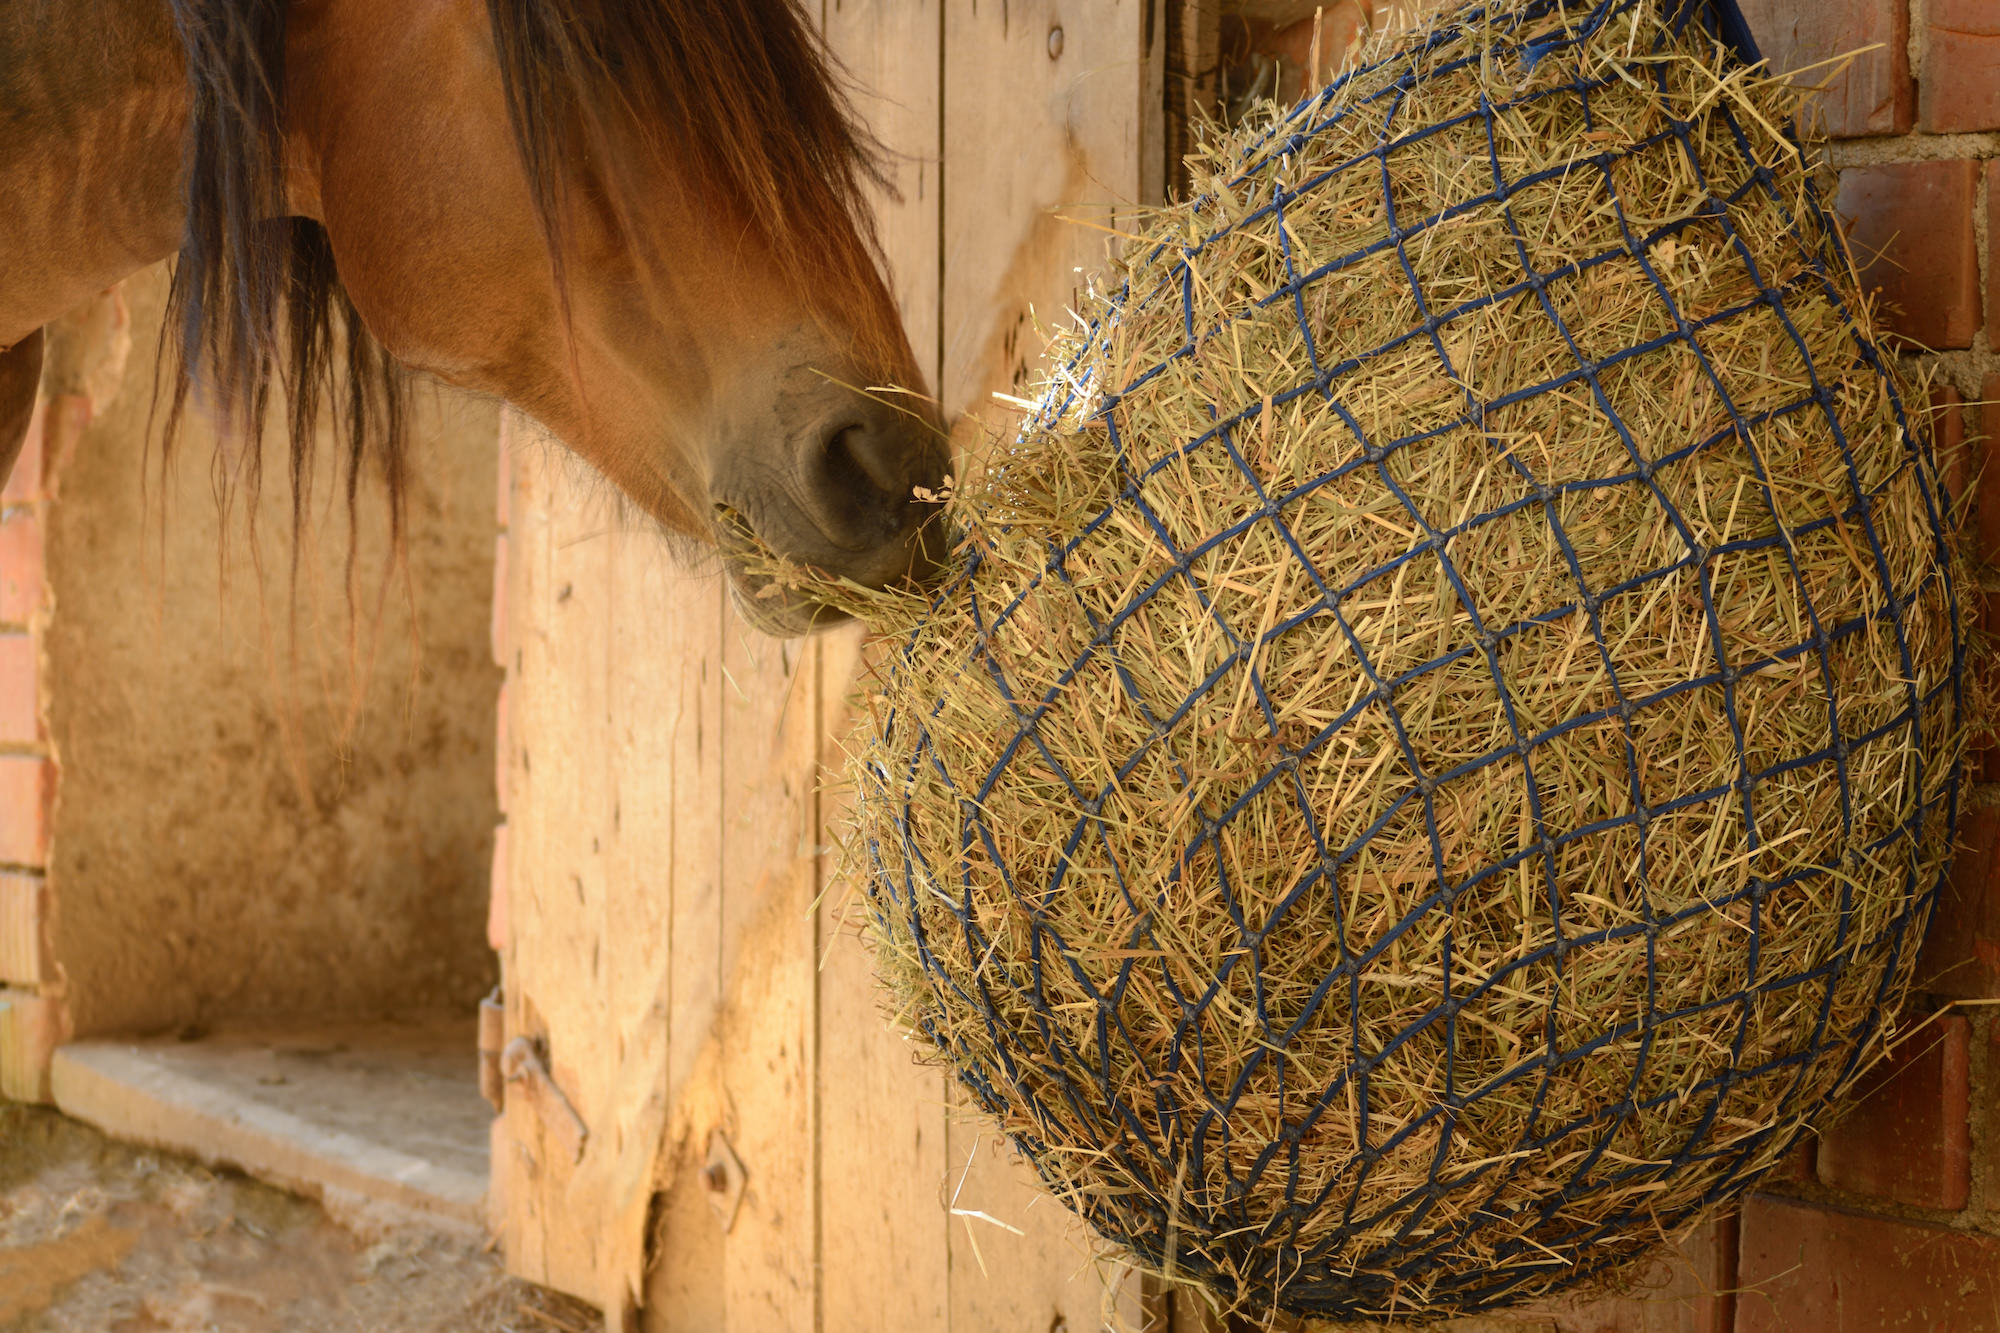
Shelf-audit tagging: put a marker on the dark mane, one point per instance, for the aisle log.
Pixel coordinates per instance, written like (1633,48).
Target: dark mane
(252,287)
(736,99)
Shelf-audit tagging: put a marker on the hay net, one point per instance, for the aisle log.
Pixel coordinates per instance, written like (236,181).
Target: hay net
(1439,756)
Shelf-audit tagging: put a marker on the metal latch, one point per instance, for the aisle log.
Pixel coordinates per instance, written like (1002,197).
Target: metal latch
(521,1062)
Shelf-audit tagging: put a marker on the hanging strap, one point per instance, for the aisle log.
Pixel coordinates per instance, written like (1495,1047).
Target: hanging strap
(1725,19)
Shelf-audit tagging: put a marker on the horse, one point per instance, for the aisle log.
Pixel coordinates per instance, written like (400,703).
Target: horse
(645,225)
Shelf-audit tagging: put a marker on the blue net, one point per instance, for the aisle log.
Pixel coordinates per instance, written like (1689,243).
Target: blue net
(1206,1167)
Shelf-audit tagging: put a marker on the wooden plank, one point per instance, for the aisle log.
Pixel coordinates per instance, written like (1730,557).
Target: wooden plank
(742,1006)
(1042,154)
(656,733)
(1020,1261)
(1153,166)
(613,875)
(1041,141)
(883,1245)
(558,566)
(883,1135)
(1193,80)
(664,742)
(743,1057)
(770,724)
(892,50)
(662,924)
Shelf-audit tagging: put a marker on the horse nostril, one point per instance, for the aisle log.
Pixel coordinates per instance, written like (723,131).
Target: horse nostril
(867,480)
(856,455)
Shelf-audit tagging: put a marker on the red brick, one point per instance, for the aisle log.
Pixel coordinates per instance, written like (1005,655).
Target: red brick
(1961,953)
(1689,1289)
(496,899)
(1983,463)
(1961,90)
(1984,452)
(1873,95)
(1945,412)
(1992,260)
(1909,225)
(1906,1135)
(1814,1270)
(1982,756)
(24,954)
(497,626)
(19,722)
(1961,466)
(24,483)
(1986,1126)
(31,1027)
(1986,504)
(1797,1167)
(27,791)
(500,749)
(20,565)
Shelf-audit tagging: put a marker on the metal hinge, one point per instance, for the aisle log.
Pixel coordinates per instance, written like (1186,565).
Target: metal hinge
(492,1036)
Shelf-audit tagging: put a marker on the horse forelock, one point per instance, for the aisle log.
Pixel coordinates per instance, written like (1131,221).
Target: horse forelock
(738,101)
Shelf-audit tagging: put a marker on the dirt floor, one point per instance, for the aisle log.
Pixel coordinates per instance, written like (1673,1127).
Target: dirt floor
(97,1236)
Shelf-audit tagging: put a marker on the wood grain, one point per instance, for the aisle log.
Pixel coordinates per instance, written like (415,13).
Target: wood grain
(664,779)
(883,1245)
(559,568)
(1042,167)
(770,735)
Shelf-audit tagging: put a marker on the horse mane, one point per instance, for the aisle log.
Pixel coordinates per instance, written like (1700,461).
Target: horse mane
(255,294)
(737,100)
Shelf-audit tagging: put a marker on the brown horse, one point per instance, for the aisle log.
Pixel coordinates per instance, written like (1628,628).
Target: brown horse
(643,223)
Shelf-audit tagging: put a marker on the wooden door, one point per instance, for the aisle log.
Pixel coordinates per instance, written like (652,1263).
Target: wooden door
(678,954)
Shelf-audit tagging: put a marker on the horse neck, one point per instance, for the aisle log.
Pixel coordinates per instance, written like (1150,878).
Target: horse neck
(93,101)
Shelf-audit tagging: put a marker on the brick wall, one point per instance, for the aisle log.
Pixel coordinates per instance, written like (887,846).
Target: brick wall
(31,1017)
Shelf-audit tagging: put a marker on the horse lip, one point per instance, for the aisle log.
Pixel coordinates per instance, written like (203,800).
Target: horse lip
(787,616)
(791,612)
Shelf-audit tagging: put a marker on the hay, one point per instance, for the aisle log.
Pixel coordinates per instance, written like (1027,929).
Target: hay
(1439,757)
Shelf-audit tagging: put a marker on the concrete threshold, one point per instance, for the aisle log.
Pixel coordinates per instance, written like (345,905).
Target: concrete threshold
(371,1119)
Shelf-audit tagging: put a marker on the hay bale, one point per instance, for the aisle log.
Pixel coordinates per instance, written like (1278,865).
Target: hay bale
(1439,757)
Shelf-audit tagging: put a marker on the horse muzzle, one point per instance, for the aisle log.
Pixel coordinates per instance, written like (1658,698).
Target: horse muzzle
(860,505)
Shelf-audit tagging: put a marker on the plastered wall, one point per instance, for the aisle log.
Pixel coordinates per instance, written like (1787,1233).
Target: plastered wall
(248,803)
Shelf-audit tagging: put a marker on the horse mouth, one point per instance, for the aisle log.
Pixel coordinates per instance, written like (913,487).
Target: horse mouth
(775,609)
(771,604)
(787,607)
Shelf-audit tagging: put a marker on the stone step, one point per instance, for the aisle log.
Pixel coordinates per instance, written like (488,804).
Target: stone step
(362,1117)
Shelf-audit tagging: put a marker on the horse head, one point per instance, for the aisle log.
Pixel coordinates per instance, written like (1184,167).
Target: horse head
(646,226)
